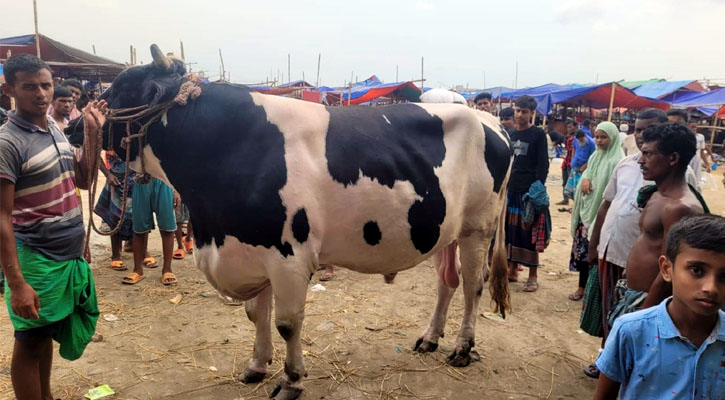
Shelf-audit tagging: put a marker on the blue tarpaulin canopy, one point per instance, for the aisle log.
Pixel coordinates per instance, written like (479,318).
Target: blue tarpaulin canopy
(713,98)
(667,91)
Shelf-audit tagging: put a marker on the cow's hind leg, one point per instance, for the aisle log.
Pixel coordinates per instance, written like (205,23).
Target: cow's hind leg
(429,341)
(289,284)
(259,311)
(474,253)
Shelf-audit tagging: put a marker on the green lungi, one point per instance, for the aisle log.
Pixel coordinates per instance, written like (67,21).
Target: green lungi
(67,296)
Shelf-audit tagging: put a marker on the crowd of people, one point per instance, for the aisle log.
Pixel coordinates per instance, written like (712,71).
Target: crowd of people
(650,256)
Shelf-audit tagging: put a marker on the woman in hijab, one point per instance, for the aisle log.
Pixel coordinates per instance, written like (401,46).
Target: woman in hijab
(588,197)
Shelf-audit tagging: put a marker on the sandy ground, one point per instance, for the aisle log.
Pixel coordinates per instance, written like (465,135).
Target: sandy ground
(357,336)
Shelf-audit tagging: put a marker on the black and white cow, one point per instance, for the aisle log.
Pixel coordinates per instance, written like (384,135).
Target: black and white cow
(277,186)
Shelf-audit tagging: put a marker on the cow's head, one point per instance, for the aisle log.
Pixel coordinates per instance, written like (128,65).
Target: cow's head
(149,85)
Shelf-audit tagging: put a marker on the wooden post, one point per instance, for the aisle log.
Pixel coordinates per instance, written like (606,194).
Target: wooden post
(319,58)
(183,58)
(224,71)
(422,77)
(713,130)
(130,54)
(37,35)
(396,72)
(135,59)
(611,103)
(94,49)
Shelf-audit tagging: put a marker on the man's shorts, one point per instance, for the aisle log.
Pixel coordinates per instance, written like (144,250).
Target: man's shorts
(40,332)
(154,197)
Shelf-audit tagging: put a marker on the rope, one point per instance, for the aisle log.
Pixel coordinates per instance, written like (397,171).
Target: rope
(130,116)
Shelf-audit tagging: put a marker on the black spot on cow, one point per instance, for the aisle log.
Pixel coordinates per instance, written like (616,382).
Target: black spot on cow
(300,226)
(371,233)
(395,143)
(497,155)
(227,162)
(285,330)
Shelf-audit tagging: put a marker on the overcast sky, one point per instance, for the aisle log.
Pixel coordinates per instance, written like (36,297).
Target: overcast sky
(567,41)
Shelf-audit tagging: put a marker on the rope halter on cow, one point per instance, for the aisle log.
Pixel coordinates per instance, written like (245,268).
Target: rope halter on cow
(132,117)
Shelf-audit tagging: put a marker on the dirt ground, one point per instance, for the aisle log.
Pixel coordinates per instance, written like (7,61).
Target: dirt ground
(357,336)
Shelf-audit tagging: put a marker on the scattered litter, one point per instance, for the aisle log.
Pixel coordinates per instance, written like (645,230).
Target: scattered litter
(318,288)
(493,316)
(370,328)
(206,294)
(176,299)
(110,317)
(325,326)
(398,350)
(99,392)
(213,369)
(579,331)
(97,338)
(552,273)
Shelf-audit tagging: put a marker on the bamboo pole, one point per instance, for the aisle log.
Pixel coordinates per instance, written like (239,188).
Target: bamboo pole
(37,36)
(224,72)
(130,54)
(183,57)
(94,49)
(349,94)
(319,58)
(135,59)
(611,103)
(713,129)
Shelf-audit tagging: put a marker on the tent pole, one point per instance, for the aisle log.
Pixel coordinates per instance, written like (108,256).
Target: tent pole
(422,79)
(37,37)
(713,130)
(130,52)
(611,103)
(181,43)
(319,58)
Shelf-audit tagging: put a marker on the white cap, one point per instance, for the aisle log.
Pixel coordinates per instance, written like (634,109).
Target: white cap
(624,128)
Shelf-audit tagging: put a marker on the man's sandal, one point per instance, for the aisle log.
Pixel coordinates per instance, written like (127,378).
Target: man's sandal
(168,278)
(150,262)
(179,254)
(117,265)
(132,278)
(531,286)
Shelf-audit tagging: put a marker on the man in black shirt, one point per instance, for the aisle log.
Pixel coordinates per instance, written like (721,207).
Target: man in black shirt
(524,238)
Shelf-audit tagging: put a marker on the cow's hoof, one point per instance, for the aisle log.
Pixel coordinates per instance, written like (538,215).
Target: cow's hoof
(463,357)
(251,375)
(424,346)
(286,390)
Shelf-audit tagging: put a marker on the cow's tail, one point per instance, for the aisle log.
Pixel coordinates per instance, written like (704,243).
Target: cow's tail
(499,286)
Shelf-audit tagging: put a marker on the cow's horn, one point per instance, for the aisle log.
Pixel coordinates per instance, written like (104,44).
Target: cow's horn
(160,60)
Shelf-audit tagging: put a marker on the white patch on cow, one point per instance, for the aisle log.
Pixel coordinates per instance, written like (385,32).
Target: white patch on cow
(386,119)
(164,118)
(152,164)
(235,269)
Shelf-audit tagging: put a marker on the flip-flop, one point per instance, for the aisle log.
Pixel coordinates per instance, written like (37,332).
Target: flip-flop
(150,262)
(592,371)
(168,278)
(576,296)
(179,254)
(188,244)
(132,278)
(117,265)
(531,286)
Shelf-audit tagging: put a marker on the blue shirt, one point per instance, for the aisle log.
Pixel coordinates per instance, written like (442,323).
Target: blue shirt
(582,153)
(647,355)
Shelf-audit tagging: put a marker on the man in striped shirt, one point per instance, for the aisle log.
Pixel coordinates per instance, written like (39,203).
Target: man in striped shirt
(49,287)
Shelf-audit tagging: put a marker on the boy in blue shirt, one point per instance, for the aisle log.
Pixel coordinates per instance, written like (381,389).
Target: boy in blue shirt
(676,349)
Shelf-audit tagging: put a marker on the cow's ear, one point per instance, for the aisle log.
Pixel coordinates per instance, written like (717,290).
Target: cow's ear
(154,92)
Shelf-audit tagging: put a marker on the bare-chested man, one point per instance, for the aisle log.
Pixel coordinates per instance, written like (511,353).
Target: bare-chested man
(666,152)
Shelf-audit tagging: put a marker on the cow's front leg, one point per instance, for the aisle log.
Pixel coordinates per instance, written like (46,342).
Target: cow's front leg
(474,251)
(289,284)
(429,341)
(259,311)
